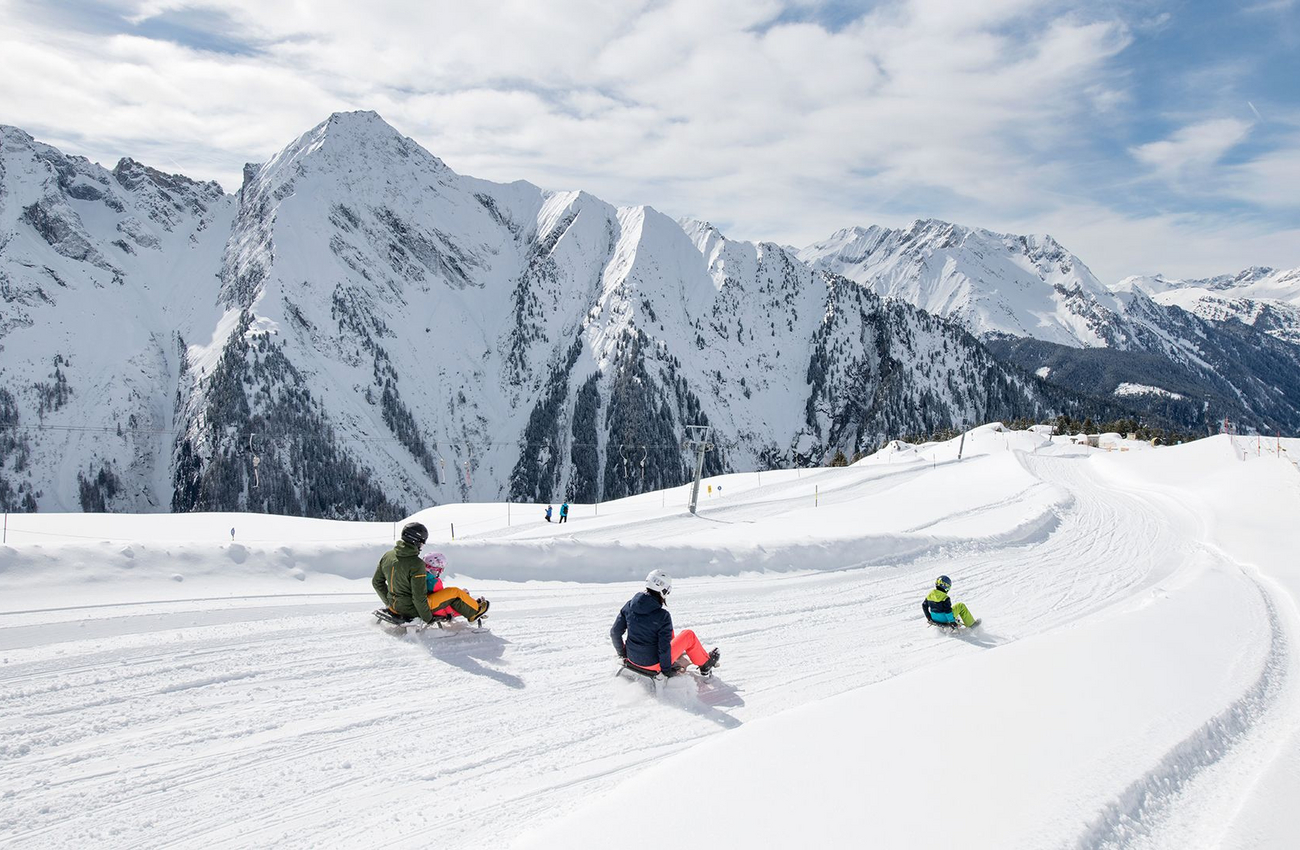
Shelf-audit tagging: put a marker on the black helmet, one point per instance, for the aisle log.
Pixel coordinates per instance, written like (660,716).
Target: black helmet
(415,533)
(943,583)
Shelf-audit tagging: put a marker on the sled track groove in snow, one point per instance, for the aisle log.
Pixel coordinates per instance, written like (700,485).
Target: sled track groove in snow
(176,728)
(1140,809)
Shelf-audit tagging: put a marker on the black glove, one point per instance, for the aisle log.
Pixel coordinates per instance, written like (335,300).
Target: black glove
(670,672)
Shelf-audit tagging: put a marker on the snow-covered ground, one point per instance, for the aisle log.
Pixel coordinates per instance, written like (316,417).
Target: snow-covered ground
(1134,682)
(1130,389)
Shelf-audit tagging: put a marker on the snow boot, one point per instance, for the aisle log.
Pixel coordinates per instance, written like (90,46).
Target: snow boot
(482,609)
(715,656)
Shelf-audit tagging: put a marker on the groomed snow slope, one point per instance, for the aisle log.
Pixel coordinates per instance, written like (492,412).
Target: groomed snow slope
(1134,683)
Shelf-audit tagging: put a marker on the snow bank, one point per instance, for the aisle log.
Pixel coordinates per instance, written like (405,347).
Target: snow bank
(900,504)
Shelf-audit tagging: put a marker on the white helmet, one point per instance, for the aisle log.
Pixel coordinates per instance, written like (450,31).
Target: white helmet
(434,563)
(659,581)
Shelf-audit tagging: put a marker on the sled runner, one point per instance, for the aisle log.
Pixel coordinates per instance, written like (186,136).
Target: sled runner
(654,677)
(383,615)
(952,627)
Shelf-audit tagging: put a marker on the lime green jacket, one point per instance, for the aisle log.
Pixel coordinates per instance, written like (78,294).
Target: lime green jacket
(399,581)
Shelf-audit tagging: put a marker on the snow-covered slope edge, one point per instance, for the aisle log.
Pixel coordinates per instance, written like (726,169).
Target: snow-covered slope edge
(1186,747)
(195,695)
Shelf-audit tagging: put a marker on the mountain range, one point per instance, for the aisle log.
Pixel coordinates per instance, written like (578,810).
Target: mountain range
(360,331)
(1190,353)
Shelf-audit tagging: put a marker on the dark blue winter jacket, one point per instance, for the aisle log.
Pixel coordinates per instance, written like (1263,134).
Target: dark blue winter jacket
(649,629)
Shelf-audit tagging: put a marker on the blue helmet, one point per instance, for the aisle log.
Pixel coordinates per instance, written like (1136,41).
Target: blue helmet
(943,583)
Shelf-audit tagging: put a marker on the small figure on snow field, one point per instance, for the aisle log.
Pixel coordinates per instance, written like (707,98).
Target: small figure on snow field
(548,513)
(564,512)
(940,610)
(652,646)
(402,582)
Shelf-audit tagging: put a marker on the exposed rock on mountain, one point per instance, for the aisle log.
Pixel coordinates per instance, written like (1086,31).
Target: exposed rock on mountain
(1040,308)
(361,331)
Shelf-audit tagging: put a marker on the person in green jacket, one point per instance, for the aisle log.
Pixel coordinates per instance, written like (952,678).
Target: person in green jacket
(941,610)
(399,578)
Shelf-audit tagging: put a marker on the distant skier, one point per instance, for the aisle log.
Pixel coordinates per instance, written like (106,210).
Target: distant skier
(651,642)
(548,513)
(564,512)
(448,601)
(400,580)
(941,610)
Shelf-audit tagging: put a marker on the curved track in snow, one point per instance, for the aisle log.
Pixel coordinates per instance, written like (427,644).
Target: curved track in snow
(299,722)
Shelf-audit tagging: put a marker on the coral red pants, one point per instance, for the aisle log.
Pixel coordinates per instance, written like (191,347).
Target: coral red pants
(684,643)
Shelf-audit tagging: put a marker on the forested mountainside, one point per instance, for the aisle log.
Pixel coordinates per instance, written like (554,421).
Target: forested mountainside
(1187,352)
(360,332)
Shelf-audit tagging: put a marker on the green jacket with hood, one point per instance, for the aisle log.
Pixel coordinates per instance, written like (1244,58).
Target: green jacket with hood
(399,581)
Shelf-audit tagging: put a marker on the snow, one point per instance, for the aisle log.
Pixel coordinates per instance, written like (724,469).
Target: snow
(1131,389)
(1134,683)
(993,283)
(1266,298)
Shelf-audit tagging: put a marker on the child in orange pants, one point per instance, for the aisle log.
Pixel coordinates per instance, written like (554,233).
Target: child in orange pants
(449,601)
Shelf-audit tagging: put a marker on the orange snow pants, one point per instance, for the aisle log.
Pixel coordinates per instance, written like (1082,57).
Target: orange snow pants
(455,599)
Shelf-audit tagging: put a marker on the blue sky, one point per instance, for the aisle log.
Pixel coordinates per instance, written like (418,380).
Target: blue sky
(1148,136)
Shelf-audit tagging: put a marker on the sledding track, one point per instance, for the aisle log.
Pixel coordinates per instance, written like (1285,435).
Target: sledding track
(304,723)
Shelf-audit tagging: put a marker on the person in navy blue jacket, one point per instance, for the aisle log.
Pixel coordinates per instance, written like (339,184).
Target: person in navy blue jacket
(651,643)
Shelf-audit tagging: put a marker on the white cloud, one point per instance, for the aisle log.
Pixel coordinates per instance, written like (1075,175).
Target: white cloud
(782,131)
(1191,150)
(1268,180)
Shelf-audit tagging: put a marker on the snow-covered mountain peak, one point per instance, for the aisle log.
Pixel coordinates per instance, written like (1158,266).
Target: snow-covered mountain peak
(438,337)
(706,237)
(697,229)
(11,135)
(1253,282)
(1245,277)
(1267,298)
(349,143)
(131,174)
(995,284)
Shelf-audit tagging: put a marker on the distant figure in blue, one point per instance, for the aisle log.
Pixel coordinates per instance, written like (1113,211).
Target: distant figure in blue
(564,512)
(942,611)
(548,513)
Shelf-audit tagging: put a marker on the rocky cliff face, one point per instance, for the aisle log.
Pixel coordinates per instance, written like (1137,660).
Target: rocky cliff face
(993,284)
(103,276)
(1187,352)
(361,331)
(1266,299)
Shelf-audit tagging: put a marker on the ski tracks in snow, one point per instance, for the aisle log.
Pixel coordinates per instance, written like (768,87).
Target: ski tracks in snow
(282,730)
